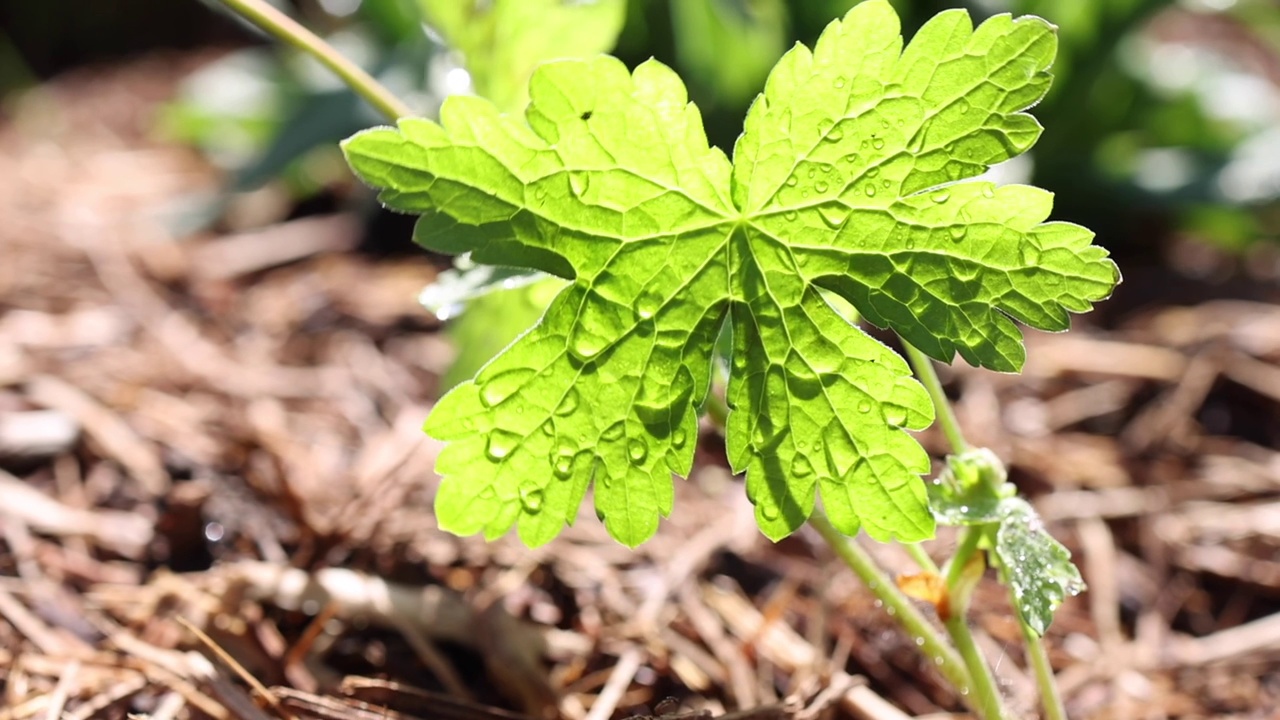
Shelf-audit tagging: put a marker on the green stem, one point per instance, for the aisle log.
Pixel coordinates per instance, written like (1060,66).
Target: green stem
(917,553)
(290,32)
(923,365)
(1050,700)
(897,604)
(986,695)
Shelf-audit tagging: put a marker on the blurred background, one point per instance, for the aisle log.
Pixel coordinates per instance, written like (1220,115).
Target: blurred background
(216,350)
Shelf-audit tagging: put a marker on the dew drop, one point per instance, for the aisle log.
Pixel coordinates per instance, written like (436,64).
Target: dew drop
(833,214)
(940,197)
(585,344)
(871,191)
(957,232)
(679,438)
(500,444)
(579,181)
(568,403)
(540,194)
(835,134)
(851,158)
(988,192)
(864,407)
(614,431)
(548,428)
(919,642)
(873,172)
(804,193)
(801,467)
(911,244)
(790,215)
(878,144)
(812,173)
(531,498)
(637,450)
(563,465)
(504,385)
(839,82)
(821,187)
(895,414)
(1030,255)
(791,182)
(648,304)
(965,106)
(769,512)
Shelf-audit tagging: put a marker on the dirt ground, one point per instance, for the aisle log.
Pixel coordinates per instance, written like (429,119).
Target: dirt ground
(216,500)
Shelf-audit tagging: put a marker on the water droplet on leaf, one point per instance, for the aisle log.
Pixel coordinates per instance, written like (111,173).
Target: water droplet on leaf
(579,181)
(864,407)
(878,144)
(801,467)
(821,187)
(637,450)
(648,304)
(940,197)
(504,385)
(833,214)
(614,431)
(769,512)
(500,444)
(585,344)
(871,190)
(531,498)
(568,403)
(957,232)
(679,438)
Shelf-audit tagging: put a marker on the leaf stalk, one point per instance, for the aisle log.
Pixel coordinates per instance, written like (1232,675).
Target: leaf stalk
(288,31)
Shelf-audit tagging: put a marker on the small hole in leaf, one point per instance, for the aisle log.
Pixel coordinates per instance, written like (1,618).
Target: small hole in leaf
(586,115)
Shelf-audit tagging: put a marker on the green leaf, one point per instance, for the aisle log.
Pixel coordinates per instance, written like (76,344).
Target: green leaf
(836,185)
(970,489)
(1037,567)
(502,41)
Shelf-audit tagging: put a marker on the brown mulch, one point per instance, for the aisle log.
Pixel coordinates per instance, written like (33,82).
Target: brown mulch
(216,501)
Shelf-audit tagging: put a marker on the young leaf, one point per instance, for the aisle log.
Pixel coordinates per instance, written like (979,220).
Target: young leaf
(969,490)
(1037,567)
(839,183)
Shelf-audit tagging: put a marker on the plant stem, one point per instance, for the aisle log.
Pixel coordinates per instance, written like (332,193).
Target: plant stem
(923,365)
(918,554)
(899,605)
(986,694)
(285,29)
(1050,700)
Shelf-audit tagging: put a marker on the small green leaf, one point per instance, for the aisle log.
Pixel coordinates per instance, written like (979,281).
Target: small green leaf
(1034,565)
(970,489)
(845,180)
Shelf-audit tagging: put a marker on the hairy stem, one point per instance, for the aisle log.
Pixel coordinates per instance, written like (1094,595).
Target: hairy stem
(896,603)
(986,694)
(1050,700)
(923,365)
(285,29)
